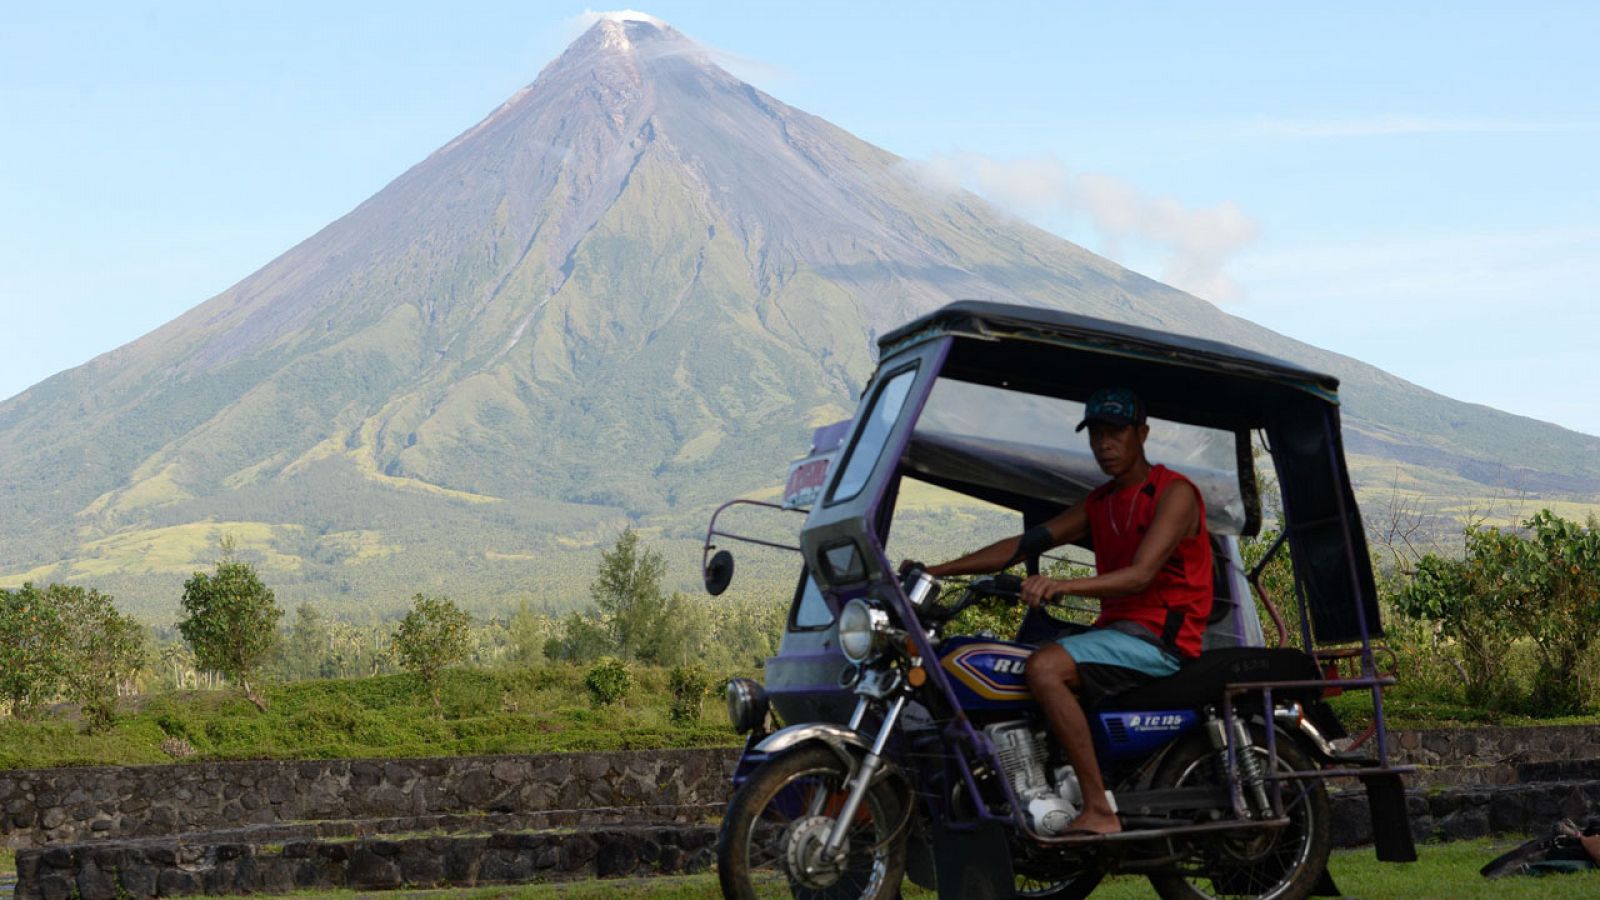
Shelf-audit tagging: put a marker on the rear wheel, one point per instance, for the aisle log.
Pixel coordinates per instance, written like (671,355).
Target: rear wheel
(1271,864)
(776,824)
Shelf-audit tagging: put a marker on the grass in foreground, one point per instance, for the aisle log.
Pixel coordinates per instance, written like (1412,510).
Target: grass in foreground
(1444,870)
(535,710)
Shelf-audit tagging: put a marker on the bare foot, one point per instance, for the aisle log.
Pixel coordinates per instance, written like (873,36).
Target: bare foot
(1591,843)
(1096,822)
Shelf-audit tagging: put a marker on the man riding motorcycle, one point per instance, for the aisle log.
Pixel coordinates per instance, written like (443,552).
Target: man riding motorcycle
(1153,557)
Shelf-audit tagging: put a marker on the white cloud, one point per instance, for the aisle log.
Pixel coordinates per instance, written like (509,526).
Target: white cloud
(741,67)
(588,17)
(1195,243)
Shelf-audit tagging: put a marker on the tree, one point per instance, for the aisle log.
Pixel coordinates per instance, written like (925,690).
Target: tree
(231,623)
(529,632)
(627,589)
(304,651)
(31,651)
(103,650)
(433,636)
(579,638)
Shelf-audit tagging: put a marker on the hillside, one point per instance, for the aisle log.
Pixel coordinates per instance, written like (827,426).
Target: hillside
(622,297)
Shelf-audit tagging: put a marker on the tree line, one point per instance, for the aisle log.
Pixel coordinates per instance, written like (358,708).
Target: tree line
(70,644)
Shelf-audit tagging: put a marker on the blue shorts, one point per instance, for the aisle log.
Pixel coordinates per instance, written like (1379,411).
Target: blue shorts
(1111,661)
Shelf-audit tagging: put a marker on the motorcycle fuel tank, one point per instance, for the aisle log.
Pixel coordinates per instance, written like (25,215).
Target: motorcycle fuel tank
(988,674)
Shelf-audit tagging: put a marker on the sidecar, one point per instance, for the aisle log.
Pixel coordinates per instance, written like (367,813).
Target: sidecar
(979,401)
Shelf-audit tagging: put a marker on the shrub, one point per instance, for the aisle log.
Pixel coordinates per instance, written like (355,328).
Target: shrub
(1540,585)
(689,685)
(432,637)
(608,681)
(31,658)
(231,623)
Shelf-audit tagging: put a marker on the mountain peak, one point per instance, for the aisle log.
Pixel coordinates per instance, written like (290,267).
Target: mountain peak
(626,30)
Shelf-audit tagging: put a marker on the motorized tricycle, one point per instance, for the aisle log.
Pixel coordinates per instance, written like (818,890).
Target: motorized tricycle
(883,745)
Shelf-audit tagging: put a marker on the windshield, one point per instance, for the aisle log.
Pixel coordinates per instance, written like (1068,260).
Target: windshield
(1025,444)
(880,420)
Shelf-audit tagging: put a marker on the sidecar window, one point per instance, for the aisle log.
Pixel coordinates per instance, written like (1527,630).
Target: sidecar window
(810,610)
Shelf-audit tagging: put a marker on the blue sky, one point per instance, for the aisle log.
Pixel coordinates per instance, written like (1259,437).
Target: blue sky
(1416,187)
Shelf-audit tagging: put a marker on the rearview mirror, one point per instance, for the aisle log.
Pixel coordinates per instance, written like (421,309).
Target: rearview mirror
(719,573)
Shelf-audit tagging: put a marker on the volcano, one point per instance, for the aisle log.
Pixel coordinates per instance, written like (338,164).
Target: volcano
(625,295)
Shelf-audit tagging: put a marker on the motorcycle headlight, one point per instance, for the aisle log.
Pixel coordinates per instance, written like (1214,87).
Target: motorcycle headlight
(861,630)
(747,705)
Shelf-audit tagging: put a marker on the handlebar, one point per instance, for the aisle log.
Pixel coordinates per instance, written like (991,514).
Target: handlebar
(1000,587)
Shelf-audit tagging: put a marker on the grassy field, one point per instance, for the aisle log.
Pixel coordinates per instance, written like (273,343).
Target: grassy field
(1444,870)
(543,709)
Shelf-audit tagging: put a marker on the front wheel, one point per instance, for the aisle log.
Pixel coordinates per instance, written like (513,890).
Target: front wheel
(776,823)
(1281,864)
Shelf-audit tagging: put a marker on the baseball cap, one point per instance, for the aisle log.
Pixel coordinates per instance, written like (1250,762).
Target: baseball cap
(1113,406)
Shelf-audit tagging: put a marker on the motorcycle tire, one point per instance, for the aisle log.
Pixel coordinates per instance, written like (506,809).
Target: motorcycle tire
(1066,889)
(768,812)
(1290,862)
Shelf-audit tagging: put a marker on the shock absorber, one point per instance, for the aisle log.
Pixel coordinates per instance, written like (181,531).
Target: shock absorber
(1251,772)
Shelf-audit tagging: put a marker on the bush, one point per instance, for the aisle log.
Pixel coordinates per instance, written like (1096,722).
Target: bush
(432,637)
(689,685)
(1539,587)
(608,681)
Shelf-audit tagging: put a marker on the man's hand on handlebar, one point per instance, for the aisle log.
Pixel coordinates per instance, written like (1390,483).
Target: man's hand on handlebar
(1040,589)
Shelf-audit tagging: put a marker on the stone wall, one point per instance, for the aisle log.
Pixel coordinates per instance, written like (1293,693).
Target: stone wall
(1463,813)
(107,870)
(47,806)
(1496,751)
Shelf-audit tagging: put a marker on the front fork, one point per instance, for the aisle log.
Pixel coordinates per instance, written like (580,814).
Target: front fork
(833,848)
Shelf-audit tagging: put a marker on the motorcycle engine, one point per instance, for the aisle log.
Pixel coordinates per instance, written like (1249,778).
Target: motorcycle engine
(1050,807)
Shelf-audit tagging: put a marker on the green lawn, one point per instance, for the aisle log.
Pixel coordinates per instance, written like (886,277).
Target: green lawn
(1444,870)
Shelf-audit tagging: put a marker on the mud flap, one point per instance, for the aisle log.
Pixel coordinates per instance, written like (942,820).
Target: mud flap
(973,864)
(1391,827)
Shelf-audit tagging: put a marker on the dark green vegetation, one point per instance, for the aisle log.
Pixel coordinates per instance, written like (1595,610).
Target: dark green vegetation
(1500,631)
(617,695)
(527,710)
(623,297)
(1540,588)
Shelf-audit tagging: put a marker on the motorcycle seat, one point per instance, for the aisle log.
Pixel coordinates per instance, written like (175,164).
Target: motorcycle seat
(1200,681)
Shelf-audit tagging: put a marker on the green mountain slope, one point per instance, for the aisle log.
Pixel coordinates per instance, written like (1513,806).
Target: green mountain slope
(623,297)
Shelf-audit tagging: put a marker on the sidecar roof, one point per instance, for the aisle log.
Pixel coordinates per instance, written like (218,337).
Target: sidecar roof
(1195,381)
(1034,349)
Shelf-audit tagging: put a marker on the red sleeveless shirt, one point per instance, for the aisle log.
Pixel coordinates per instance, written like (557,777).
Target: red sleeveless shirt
(1175,605)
